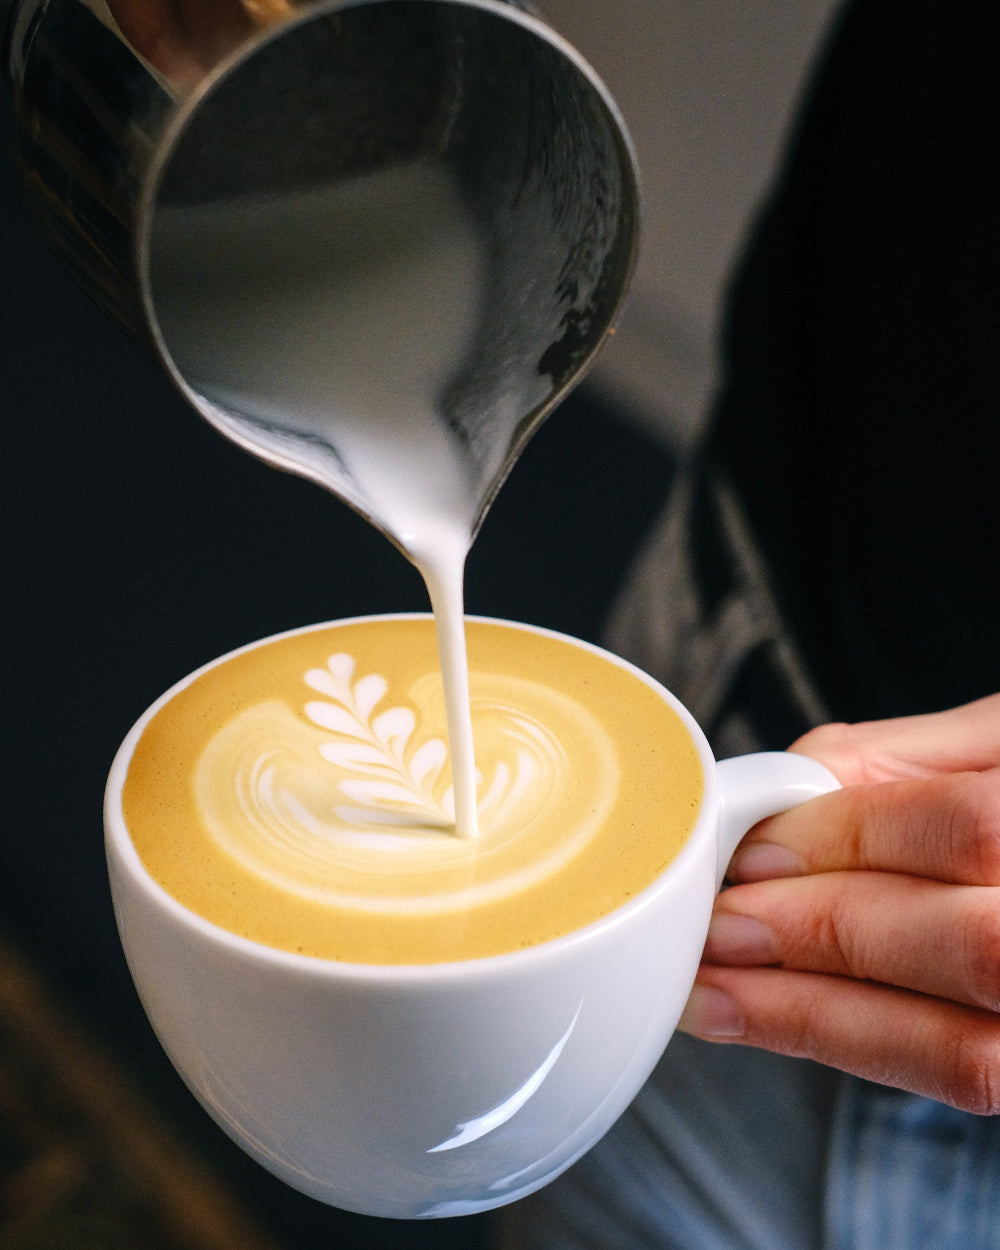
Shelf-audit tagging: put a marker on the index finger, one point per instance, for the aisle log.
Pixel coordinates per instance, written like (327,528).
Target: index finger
(946,828)
(962,739)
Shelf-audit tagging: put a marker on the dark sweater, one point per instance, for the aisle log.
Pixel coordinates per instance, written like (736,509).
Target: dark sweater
(860,414)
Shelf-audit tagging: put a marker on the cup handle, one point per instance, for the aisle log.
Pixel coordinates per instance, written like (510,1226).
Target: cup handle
(754,786)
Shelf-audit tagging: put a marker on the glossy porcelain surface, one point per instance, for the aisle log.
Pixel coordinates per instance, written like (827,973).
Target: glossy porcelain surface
(446,1089)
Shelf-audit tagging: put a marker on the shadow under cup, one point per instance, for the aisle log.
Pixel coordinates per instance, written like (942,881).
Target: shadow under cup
(424,1089)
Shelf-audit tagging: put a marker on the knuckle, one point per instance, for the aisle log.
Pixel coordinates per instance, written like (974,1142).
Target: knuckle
(972,825)
(843,951)
(838,746)
(983,944)
(805,1033)
(975,1068)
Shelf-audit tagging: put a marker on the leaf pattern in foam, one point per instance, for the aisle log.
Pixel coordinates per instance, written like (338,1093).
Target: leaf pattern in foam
(373,745)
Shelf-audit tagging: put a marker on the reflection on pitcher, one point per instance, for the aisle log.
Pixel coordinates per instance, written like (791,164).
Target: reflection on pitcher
(184,39)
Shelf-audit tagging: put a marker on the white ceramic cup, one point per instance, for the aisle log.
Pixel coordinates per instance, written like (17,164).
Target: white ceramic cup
(446,1089)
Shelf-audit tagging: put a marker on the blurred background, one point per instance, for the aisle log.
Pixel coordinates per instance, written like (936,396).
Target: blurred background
(708,90)
(138,544)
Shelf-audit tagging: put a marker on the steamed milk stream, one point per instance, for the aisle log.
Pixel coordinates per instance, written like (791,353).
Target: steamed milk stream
(274,309)
(305,793)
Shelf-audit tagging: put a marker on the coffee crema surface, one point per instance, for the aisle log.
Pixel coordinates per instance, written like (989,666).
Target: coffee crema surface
(298,792)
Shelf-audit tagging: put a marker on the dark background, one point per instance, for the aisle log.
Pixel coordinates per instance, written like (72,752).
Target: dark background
(137,544)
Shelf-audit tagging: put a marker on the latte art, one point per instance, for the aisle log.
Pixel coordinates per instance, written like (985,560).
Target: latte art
(298,792)
(350,803)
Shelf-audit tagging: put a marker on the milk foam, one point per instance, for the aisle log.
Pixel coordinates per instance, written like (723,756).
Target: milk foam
(343,802)
(296,792)
(324,327)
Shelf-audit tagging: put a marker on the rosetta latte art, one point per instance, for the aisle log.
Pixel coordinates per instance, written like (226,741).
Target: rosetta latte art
(348,800)
(297,792)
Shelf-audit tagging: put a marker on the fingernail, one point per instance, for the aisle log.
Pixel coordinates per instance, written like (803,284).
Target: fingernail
(711,1013)
(762,860)
(739,940)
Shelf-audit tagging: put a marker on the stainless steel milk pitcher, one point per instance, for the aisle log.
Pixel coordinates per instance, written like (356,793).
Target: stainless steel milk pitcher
(128,112)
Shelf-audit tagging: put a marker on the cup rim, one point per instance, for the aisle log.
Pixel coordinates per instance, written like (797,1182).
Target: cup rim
(121,851)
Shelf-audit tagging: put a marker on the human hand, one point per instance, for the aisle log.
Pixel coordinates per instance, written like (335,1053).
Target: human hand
(183,39)
(863,928)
